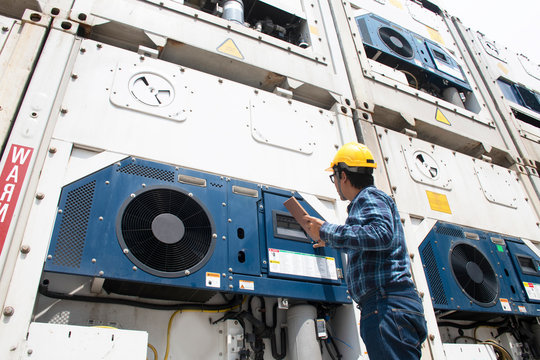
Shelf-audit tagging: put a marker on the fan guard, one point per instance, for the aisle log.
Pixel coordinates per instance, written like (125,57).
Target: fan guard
(166,232)
(396,42)
(474,274)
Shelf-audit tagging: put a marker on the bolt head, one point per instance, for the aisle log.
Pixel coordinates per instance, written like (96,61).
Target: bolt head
(25,249)
(9,311)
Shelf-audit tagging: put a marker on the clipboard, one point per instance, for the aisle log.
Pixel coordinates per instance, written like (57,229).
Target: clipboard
(297,211)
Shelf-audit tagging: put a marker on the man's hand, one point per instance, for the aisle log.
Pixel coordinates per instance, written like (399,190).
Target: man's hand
(313,225)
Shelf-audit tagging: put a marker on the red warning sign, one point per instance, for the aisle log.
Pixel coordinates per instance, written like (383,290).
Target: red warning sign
(11,181)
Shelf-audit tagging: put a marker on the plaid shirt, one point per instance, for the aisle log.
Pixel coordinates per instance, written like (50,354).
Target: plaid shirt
(374,241)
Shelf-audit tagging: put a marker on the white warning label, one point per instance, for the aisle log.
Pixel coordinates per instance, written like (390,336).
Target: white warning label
(302,264)
(505,304)
(533,290)
(246,285)
(213,280)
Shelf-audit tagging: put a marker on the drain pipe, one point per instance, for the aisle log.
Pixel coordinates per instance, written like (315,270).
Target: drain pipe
(233,10)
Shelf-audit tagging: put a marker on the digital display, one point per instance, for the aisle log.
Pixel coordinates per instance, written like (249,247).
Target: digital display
(285,226)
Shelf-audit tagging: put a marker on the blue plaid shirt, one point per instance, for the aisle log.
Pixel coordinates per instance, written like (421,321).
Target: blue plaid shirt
(374,241)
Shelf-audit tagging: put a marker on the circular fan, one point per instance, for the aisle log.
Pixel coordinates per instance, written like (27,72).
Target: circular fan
(396,42)
(166,232)
(474,274)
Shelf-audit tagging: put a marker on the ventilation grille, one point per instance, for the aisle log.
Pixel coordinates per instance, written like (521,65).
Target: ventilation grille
(474,274)
(166,232)
(396,42)
(72,234)
(432,273)
(148,172)
(450,231)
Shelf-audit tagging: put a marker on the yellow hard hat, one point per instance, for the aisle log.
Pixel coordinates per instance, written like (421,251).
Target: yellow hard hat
(354,155)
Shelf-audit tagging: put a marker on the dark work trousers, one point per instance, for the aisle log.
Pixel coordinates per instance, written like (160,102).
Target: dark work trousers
(392,323)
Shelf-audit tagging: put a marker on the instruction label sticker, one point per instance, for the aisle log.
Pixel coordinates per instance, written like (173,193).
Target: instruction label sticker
(246,285)
(11,181)
(532,290)
(213,280)
(505,304)
(438,202)
(302,264)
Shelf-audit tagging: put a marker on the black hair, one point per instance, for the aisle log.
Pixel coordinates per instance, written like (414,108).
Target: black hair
(360,180)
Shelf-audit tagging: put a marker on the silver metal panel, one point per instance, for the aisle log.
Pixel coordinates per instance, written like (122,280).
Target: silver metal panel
(20,42)
(33,135)
(193,38)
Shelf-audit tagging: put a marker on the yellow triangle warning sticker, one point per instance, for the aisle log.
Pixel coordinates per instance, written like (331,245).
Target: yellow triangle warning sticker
(229,47)
(441,118)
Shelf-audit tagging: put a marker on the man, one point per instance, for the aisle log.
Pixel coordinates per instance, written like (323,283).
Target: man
(378,274)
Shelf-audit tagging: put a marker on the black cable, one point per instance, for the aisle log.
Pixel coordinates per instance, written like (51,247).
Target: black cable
(473,325)
(43,290)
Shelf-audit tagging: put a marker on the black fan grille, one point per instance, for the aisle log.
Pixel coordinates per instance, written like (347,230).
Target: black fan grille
(432,274)
(72,234)
(165,258)
(396,42)
(474,274)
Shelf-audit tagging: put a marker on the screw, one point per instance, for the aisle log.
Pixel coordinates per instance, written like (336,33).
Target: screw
(74,76)
(9,311)
(431,337)
(53,150)
(63,110)
(25,249)
(29,351)
(40,196)
(5,28)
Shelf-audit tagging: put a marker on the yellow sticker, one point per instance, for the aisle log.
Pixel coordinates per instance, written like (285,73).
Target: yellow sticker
(503,68)
(229,47)
(439,116)
(435,35)
(314,30)
(396,3)
(438,202)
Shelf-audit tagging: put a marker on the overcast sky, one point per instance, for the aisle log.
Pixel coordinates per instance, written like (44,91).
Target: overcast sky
(514,24)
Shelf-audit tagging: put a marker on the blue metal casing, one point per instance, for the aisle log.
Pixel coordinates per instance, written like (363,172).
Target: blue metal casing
(410,50)
(487,283)
(156,230)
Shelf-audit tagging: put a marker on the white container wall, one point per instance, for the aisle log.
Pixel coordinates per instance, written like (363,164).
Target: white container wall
(408,73)
(152,111)
(289,47)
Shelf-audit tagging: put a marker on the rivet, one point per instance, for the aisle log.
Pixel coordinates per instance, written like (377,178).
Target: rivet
(126,251)
(74,76)
(230,286)
(52,150)
(230,278)
(49,257)
(101,273)
(431,337)
(9,311)
(187,272)
(25,249)
(101,218)
(63,110)
(40,196)
(94,261)
(214,236)
(230,269)
(134,268)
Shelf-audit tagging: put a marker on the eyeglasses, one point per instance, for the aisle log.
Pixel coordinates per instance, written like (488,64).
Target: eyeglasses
(331,178)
